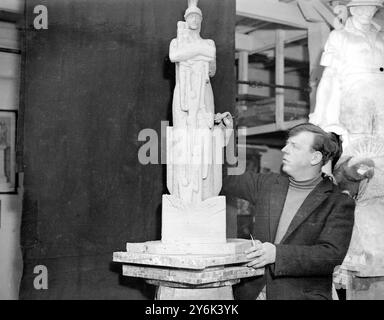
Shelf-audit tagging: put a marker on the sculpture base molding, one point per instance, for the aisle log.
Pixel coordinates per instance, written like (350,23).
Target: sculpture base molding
(182,275)
(172,293)
(232,246)
(200,223)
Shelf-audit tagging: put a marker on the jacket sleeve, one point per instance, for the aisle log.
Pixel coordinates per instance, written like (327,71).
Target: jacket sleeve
(246,186)
(329,251)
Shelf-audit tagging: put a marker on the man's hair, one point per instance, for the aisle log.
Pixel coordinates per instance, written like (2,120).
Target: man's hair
(328,143)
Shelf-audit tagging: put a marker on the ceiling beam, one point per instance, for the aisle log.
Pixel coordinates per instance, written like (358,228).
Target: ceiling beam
(262,40)
(10,16)
(328,15)
(294,53)
(272,11)
(244,42)
(9,37)
(273,127)
(308,11)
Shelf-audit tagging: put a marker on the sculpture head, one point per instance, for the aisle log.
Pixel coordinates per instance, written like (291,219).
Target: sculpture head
(307,149)
(364,10)
(194,21)
(193,15)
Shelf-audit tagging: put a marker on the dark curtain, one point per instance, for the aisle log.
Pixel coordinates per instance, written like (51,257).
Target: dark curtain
(97,76)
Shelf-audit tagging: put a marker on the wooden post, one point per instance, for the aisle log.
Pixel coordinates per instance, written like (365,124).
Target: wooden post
(279,78)
(243,71)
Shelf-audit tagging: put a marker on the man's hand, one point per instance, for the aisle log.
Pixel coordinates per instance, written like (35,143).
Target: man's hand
(224,120)
(262,253)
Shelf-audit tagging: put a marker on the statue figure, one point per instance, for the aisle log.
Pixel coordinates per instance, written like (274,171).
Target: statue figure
(195,60)
(191,176)
(349,102)
(349,99)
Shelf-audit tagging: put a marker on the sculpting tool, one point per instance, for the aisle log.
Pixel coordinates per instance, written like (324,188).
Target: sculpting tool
(253,241)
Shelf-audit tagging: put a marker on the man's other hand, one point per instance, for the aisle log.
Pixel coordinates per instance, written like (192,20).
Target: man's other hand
(262,254)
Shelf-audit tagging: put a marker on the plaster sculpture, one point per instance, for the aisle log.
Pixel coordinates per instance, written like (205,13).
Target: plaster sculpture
(194,259)
(194,143)
(348,98)
(192,174)
(349,102)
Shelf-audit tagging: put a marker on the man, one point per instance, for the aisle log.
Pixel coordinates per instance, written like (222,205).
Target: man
(303,223)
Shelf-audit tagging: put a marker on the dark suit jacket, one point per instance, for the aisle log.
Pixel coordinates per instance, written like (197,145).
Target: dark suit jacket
(316,241)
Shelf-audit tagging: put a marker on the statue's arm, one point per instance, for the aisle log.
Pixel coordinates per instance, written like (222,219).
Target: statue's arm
(327,107)
(212,64)
(327,101)
(210,49)
(190,51)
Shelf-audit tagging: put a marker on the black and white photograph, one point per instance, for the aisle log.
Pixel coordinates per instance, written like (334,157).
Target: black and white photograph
(210,151)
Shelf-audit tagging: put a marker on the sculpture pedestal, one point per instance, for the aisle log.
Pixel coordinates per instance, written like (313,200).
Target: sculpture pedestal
(185,223)
(358,287)
(181,273)
(221,293)
(193,260)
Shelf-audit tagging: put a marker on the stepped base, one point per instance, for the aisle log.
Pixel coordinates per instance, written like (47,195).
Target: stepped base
(170,293)
(193,224)
(189,271)
(232,246)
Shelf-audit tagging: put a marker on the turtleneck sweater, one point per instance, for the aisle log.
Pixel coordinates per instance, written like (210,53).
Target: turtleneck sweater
(297,192)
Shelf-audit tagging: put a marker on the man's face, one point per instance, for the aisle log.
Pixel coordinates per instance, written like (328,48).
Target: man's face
(194,21)
(363,14)
(298,154)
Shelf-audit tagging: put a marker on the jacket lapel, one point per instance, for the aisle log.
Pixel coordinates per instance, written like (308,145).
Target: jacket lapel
(313,200)
(276,203)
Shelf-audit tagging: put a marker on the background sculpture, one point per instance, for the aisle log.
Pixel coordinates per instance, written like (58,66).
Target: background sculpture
(349,102)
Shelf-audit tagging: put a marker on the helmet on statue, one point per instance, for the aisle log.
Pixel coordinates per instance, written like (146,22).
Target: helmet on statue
(192,8)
